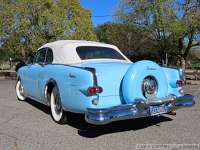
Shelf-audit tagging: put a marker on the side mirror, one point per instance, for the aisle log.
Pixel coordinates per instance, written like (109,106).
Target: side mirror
(42,64)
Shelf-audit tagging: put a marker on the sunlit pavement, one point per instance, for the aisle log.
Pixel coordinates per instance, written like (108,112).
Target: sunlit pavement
(28,126)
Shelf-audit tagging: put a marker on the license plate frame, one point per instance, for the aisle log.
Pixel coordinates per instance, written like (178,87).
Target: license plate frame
(156,110)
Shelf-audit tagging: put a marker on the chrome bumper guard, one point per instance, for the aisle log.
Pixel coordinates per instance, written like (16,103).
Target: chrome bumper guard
(136,110)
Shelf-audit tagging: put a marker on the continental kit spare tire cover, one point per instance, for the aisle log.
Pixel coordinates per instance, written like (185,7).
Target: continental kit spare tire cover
(143,79)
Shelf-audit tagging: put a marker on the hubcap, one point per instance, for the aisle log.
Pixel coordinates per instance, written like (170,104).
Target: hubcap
(149,87)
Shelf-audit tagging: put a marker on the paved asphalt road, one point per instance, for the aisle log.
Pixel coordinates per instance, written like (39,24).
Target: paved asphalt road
(28,126)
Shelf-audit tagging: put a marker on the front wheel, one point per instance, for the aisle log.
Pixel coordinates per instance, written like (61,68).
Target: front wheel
(19,91)
(57,112)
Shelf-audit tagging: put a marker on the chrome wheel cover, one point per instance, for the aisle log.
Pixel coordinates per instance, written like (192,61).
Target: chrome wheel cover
(149,87)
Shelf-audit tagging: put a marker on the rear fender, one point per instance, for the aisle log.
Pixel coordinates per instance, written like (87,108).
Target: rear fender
(172,75)
(72,86)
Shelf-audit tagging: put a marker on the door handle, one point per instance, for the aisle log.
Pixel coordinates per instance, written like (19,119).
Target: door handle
(72,76)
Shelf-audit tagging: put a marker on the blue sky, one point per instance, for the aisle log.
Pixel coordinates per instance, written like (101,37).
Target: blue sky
(100,8)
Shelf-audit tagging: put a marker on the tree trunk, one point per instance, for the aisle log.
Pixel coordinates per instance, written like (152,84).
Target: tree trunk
(23,53)
(182,63)
(166,59)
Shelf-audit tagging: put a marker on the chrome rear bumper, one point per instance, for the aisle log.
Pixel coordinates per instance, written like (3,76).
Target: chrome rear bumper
(136,110)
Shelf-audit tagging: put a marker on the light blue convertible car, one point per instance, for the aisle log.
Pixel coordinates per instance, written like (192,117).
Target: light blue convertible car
(97,80)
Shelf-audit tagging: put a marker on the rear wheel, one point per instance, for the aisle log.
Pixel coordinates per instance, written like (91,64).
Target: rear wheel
(19,91)
(57,112)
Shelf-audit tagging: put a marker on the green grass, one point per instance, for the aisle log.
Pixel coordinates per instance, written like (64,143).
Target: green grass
(6,66)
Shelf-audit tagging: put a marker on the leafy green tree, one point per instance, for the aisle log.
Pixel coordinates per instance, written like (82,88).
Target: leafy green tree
(131,39)
(173,25)
(27,24)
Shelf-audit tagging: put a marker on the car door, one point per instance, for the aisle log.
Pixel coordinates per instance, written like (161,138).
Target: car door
(33,74)
(45,73)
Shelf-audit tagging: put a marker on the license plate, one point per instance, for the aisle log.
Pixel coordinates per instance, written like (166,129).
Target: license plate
(155,110)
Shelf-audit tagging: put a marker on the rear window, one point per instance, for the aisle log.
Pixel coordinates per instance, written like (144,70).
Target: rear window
(92,52)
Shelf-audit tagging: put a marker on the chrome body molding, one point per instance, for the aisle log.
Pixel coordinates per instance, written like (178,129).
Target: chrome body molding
(137,109)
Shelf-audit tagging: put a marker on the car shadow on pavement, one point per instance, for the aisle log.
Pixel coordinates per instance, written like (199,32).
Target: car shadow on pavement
(91,131)
(39,106)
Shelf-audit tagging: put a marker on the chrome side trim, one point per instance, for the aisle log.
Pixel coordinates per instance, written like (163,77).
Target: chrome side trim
(135,110)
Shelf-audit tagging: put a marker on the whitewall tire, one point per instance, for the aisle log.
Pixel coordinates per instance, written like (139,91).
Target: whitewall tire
(57,112)
(19,91)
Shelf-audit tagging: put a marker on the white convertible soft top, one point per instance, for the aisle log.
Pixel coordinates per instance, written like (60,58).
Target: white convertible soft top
(64,51)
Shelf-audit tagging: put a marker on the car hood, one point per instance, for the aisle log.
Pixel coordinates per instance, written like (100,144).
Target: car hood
(109,75)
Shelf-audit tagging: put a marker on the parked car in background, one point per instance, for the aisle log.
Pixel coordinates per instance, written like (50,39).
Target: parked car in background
(97,80)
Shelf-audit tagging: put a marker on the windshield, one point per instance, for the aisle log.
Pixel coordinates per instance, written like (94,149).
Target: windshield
(93,52)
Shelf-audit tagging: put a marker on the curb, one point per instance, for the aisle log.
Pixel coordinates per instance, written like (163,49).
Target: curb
(8,74)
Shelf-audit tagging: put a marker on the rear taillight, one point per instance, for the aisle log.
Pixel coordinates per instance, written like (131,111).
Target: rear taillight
(180,83)
(94,90)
